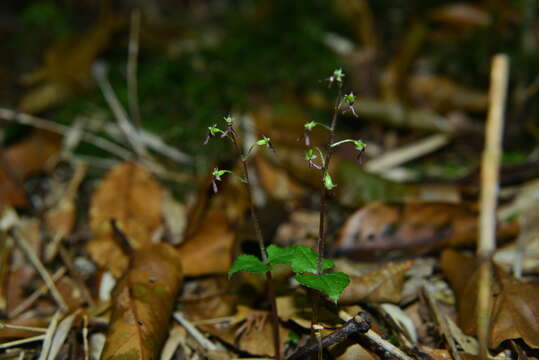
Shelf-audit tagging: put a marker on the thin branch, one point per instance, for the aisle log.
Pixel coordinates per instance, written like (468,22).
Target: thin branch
(130,133)
(22,341)
(441,321)
(42,290)
(381,344)
(357,324)
(54,127)
(21,327)
(490,165)
(193,331)
(29,252)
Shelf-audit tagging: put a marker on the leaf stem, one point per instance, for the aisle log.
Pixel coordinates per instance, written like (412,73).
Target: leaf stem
(262,247)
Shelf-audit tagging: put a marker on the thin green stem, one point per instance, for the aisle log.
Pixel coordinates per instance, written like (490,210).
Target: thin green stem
(321,241)
(262,247)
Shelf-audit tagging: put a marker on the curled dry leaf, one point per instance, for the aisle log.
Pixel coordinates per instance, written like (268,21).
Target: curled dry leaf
(515,306)
(382,285)
(209,250)
(143,304)
(382,230)
(252,334)
(22,160)
(130,195)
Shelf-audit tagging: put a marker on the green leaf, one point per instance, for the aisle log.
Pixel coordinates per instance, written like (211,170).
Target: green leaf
(281,255)
(330,284)
(301,258)
(248,263)
(306,260)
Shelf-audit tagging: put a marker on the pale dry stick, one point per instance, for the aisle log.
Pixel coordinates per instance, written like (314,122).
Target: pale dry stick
(130,132)
(375,338)
(47,342)
(132,64)
(85,337)
(197,335)
(34,259)
(396,157)
(51,126)
(35,295)
(21,327)
(22,341)
(22,354)
(151,140)
(490,165)
(441,321)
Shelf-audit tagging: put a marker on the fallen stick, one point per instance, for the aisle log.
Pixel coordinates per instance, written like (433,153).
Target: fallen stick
(357,324)
(490,166)
(34,259)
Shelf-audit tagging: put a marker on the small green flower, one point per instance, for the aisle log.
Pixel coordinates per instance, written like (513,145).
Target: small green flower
(266,141)
(229,119)
(310,125)
(350,98)
(328,181)
(338,75)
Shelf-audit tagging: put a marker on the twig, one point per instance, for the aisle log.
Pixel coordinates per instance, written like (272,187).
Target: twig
(441,321)
(35,295)
(357,324)
(51,126)
(407,153)
(490,165)
(27,249)
(21,327)
(374,338)
(130,132)
(22,341)
(47,342)
(132,64)
(85,337)
(201,339)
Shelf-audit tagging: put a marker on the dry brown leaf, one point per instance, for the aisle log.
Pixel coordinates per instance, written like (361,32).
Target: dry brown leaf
(381,230)
(208,298)
(515,303)
(67,66)
(209,250)
(462,15)
(22,160)
(443,94)
(276,182)
(382,285)
(143,303)
(255,341)
(130,195)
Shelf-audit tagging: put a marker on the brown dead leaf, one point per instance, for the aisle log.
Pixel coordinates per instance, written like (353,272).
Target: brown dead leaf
(461,15)
(380,230)
(67,66)
(276,182)
(382,285)
(443,94)
(257,340)
(208,298)
(143,303)
(515,303)
(209,250)
(22,160)
(130,195)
